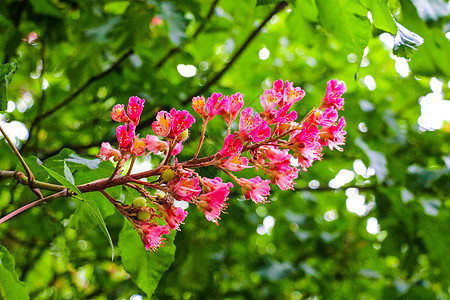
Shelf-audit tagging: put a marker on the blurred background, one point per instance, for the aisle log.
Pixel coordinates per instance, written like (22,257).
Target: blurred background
(372,222)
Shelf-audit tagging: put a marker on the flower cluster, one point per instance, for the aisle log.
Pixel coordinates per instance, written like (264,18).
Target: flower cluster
(271,141)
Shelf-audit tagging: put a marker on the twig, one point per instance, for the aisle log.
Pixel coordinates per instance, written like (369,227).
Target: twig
(202,137)
(16,152)
(238,53)
(23,179)
(33,204)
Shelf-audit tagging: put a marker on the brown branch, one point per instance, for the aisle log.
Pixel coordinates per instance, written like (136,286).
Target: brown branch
(23,179)
(33,204)
(238,53)
(175,50)
(17,153)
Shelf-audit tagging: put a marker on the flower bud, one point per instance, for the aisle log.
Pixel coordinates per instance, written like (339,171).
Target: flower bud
(143,215)
(160,194)
(183,136)
(139,202)
(168,175)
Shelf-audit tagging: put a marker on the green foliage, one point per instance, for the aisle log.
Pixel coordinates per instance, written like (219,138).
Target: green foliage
(146,268)
(6,72)
(305,244)
(10,286)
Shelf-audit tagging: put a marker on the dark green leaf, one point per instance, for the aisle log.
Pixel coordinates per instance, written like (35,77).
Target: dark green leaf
(176,21)
(11,288)
(266,2)
(6,73)
(347,21)
(146,268)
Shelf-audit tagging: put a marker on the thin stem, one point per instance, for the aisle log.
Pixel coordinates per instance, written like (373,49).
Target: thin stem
(23,179)
(133,159)
(116,170)
(32,204)
(22,161)
(202,138)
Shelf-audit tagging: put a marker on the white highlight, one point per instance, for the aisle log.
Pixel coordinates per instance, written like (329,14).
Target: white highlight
(369,81)
(434,109)
(264,53)
(342,178)
(372,226)
(268,223)
(187,70)
(359,167)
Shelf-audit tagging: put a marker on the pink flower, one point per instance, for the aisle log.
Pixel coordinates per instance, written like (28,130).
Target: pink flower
(291,94)
(270,99)
(212,201)
(139,147)
(306,146)
(174,216)
(252,128)
(162,124)
(181,120)
(231,146)
(231,107)
(198,104)
(255,188)
(333,95)
(118,114)
(151,235)
(106,152)
(214,105)
(134,109)
(236,163)
(333,135)
(282,115)
(177,149)
(185,188)
(155,145)
(123,136)
(283,176)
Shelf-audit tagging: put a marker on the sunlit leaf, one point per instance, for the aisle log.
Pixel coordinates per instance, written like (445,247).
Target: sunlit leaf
(406,42)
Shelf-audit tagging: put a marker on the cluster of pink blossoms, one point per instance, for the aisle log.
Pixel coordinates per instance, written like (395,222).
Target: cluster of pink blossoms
(271,141)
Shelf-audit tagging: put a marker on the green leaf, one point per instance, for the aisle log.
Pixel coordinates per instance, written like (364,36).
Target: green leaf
(68,174)
(100,221)
(11,287)
(382,18)
(65,182)
(406,42)
(146,268)
(347,21)
(6,73)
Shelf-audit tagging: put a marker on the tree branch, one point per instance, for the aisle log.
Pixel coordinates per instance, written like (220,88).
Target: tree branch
(33,204)
(17,153)
(238,53)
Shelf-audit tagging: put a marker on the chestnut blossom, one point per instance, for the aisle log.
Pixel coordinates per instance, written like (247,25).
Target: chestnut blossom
(118,114)
(333,95)
(134,109)
(124,136)
(279,145)
(231,146)
(106,152)
(212,201)
(151,234)
(185,188)
(255,188)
